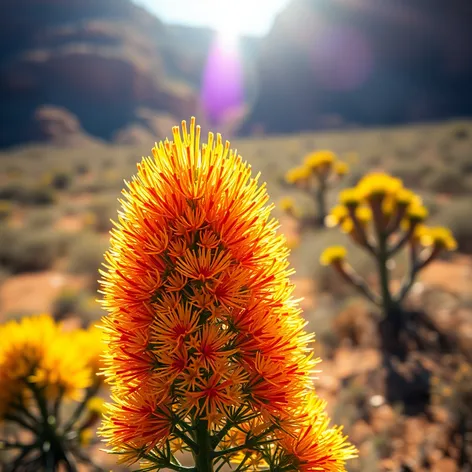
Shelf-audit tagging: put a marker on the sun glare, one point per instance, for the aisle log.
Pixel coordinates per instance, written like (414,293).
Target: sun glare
(228,36)
(231,19)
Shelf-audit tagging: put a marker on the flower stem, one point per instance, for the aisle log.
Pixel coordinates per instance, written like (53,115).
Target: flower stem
(321,201)
(384,276)
(203,457)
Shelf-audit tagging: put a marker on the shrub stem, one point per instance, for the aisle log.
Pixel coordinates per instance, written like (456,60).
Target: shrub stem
(384,276)
(321,200)
(203,456)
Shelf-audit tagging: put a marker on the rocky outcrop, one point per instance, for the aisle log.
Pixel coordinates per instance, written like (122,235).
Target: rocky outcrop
(60,127)
(100,59)
(150,126)
(332,63)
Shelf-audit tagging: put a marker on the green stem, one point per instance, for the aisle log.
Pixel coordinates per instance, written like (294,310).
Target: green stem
(384,276)
(203,457)
(91,392)
(321,200)
(55,452)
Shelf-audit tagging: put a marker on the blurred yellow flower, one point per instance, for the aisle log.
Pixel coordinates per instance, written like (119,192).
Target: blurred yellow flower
(350,196)
(336,216)
(297,174)
(320,159)
(36,351)
(440,237)
(287,203)
(364,214)
(341,168)
(404,196)
(333,254)
(86,436)
(417,213)
(96,405)
(378,183)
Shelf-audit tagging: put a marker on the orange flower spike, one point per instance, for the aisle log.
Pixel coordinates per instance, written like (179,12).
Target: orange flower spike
(211,345)
(203,264)
(175,324)
(201,322)
(214,394)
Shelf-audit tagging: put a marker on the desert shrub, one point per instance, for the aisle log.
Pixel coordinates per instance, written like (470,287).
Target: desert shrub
(412,172)
(26,250)
(28,194)
(11,191)
(61,179)
(42,217)
(445,179)
(6,208)
(88,309)
(65,304)
(456,216)
(103,209)
(460,132)
(81,168)
(458,155)
(79,303)
(39,195)
(86,254)
(96,185)
(13,171)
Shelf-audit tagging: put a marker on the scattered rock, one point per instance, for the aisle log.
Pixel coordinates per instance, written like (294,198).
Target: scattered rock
(59,126)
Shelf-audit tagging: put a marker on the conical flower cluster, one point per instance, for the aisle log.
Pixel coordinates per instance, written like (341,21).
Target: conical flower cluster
(207,350)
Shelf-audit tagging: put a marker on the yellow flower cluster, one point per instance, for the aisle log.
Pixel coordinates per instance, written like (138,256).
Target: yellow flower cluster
(36,351)
(378,183)
(320,160)
(383,217)
(319,164)
(382,197)
(439,237)
(332,255)
(287,205)
(297,174)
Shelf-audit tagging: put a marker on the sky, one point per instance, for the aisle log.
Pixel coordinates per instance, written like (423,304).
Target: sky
(232,17)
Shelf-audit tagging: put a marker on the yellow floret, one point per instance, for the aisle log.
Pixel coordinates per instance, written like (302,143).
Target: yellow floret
(86,436)
(417,212)
(319,159)
(364,214)
(380,184)
(350,197)
(333,254)
(287,203)
(336,216)
(297,174)
(96,405)
(439,237)
(341,168)
(404,196)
